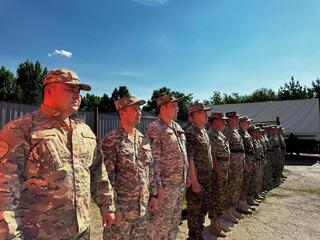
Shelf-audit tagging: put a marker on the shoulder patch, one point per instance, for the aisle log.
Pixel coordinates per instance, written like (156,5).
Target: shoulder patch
(4,148)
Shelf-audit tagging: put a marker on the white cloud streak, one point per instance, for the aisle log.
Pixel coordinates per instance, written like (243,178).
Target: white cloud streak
(60,52)
(152,3)
(130,74)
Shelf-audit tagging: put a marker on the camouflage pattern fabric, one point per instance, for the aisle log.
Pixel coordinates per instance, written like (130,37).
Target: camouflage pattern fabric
(237,161)
(249,172)
(259,166)
(221,152)
(47,173)
(130,170)
(283,152)
(169,152)
(199,149)
(276,158)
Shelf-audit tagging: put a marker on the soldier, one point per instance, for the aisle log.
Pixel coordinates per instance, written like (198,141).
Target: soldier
(276,156)
(220,154)
(249,166)
(168,145)
(49,163)
(283,150)
(267,176)
(237,161)
(128,159)
(201,170)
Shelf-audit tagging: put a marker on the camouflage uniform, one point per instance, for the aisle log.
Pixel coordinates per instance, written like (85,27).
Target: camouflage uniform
(258,150)
(199,149)
(267,176)
(168,145)
(47,172)
(250,165)
(283,152)
(276,158)
(237,160)
(130,170)
(221,153)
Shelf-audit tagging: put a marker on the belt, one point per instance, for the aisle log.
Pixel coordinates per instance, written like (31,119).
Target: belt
(236,150)
(222,158)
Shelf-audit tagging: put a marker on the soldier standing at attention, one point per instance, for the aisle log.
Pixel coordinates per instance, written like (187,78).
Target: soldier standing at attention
(201,170)
(221,155)
(128,159)
(49,164)
(168,145)
(249,165)
(237,161)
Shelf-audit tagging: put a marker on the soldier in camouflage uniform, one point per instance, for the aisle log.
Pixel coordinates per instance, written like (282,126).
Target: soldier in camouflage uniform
(220,154)
(168,144)
(201,170)
(128,159)
(49,164)
(237,161)
(249,167)
(267,176)
(283,150)
(276,156)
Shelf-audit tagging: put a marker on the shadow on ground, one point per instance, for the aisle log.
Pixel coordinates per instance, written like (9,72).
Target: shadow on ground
(302,159)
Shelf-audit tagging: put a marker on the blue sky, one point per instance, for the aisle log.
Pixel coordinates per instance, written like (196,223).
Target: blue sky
(191,46)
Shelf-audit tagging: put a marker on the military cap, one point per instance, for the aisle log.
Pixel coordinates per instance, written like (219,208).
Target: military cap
(167,99)
(128,101)
(66,76)
(245,119)
(197,107)
(253,128)
(216,115)
(231,114)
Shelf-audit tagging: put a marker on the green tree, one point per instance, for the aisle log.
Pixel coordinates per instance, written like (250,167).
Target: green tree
(152,107)
(292,90)
(262,95)
(9,91)
(29,79)
(89,102)
(106,104)
(316,87)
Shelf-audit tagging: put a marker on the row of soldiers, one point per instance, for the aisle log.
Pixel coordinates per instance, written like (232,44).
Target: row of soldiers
(51,166)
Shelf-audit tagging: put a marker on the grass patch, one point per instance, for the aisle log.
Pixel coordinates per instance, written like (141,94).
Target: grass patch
(184,203)
(276,195)
(305,190)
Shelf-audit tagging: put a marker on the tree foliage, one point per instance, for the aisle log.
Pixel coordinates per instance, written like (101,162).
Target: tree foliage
(9,90)
(292,90)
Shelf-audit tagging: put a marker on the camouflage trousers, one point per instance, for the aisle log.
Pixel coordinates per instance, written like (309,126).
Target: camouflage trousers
(198,207)
(277,166)
(218,200)
(164,223)
(235,178)
(248,175)
(258,178)
(268,174)
(127,229)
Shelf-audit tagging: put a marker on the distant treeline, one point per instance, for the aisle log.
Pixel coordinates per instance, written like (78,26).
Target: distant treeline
(26,87)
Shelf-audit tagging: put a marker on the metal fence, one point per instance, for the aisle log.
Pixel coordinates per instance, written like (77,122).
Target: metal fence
(104,122)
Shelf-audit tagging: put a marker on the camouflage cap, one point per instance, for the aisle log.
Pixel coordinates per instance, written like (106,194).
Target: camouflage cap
(245,119)
(253,128)
(167,99)
(128,101)
(198,107)
(232,114)
(217,115)
(64,76)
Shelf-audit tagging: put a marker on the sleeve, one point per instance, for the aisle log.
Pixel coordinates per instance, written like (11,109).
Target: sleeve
(190,145)
(13,152)
(152,181)
(155,142)
(100,184)
(214,147)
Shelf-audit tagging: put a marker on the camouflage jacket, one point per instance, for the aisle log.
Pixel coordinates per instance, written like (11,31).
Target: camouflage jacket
(199,149)
(234,139)
(220,146)
(282,143)
(258,150)
(168,145)
(130,169)
(247,142)
(274,140)
(47,170)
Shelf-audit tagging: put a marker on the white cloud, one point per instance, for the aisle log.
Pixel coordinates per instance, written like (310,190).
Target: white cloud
(60,52)
(152,3)
(130,74)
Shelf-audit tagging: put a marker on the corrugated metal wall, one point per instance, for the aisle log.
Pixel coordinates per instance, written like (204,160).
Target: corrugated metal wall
(106,122)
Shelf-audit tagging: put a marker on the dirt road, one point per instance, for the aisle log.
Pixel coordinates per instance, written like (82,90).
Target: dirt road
(291,211)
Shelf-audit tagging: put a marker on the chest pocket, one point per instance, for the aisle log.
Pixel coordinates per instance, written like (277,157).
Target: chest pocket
(47,151)
(147,155)
(126,154)
(86,148)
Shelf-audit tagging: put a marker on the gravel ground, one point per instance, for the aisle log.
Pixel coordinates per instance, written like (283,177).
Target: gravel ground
(291,211)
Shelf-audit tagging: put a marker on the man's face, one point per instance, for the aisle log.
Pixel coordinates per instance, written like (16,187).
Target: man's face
(244,125)
(171,110)
(65,97)
(201,117)
(131,115)
(218,123)
(233,122)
